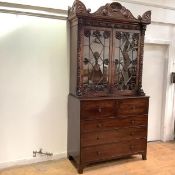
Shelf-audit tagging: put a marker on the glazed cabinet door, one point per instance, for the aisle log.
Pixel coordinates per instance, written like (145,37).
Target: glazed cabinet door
(125,62)
(96,63)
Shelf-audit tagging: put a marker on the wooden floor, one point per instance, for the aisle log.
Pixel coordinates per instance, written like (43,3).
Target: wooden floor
(160,161)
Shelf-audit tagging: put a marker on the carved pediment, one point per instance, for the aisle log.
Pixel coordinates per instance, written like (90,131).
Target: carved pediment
(112,10)
(115,10)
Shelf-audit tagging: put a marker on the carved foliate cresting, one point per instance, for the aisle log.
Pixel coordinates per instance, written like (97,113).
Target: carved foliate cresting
(114,11)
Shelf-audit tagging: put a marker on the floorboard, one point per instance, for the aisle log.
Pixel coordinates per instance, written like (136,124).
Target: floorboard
(160,161)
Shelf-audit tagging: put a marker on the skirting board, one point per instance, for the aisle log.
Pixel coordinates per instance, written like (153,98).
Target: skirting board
(32,160)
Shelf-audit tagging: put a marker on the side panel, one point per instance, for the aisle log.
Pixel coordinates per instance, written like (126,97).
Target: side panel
(73,58)
(73,148)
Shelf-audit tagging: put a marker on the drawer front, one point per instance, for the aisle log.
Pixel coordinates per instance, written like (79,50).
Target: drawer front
(97,109)
(133,106)
(113,123)
(105,152)
(111,136)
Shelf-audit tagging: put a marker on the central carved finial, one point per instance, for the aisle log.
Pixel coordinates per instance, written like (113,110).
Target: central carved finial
(116,6)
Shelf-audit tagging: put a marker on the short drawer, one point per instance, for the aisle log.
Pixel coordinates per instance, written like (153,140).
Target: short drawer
(132,106)
(97,109)
(113,123)
(109,151)
(111,136)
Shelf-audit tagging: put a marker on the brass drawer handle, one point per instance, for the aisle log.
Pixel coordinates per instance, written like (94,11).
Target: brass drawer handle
(98,153)
(116,129)
(99,109)
(99,138)
(132,122)
(132,133)
(131,147)
(99,125)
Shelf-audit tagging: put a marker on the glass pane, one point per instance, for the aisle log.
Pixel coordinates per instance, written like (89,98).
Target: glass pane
(96,59)
(126,52)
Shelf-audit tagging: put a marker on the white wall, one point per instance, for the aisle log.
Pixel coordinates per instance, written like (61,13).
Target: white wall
(153,85)
(90,3)
(33,86)
(34,77)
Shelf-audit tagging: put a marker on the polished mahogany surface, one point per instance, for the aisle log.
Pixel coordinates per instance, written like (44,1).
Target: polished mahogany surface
(107,107)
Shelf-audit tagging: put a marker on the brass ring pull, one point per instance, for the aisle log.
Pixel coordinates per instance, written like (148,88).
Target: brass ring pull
(133,122)
(98,138)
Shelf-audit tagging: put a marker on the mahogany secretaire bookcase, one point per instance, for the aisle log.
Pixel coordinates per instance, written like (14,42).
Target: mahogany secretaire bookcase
(107,108)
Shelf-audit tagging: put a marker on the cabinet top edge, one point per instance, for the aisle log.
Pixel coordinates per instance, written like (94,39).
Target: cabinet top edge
(108,97)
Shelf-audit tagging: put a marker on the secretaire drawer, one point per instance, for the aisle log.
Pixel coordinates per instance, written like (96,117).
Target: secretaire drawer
(113,123)
(133,106)
(111,136)
(97,109)
(104,152)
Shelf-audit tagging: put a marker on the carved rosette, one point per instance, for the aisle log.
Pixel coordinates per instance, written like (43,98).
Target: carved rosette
(114,10)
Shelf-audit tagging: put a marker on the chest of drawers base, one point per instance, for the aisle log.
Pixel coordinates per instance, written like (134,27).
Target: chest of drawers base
(102,129)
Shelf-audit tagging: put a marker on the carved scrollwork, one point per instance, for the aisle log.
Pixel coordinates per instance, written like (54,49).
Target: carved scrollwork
(115,10)
(78,8)
(146,17)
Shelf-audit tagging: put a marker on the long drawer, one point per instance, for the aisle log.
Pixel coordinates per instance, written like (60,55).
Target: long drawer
(111,136)
(132,106)
(97,109)
(113,123)
(109,151)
